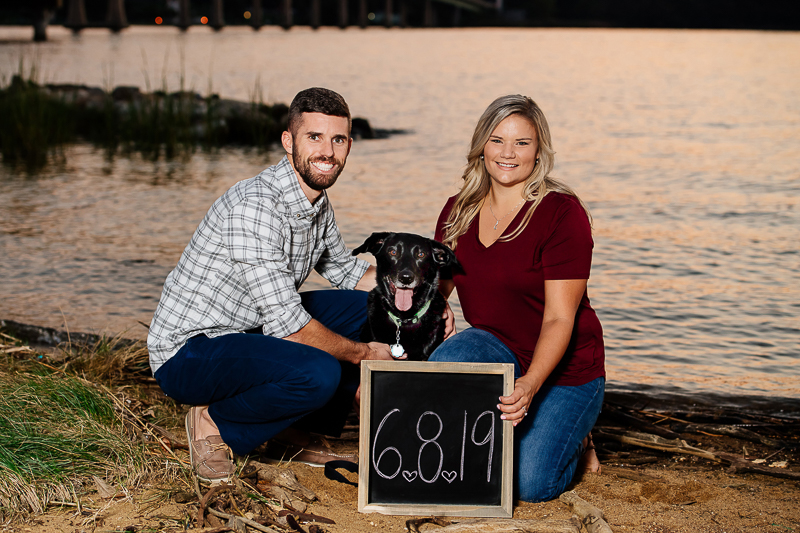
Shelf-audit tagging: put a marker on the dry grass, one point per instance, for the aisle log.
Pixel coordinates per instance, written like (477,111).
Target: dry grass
(59,429)
(113,361)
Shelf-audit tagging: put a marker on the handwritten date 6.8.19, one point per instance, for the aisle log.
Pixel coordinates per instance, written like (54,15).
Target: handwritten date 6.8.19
(431,441)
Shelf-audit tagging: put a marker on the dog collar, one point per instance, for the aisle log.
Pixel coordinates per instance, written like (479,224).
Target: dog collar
(414,319)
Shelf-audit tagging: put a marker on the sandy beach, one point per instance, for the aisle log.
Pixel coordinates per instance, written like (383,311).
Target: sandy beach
(669,493)
(673,496)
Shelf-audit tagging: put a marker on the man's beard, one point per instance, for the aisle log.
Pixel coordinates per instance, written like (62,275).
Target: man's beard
(309,173)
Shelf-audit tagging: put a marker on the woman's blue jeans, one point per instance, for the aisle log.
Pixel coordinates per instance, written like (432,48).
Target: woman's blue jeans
(256,385)
(547,441)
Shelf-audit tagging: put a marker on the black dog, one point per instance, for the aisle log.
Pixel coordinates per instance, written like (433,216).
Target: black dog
(406,306)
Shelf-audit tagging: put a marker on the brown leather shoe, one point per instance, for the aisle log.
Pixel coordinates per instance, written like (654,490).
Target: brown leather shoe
(316,453)
(212,459)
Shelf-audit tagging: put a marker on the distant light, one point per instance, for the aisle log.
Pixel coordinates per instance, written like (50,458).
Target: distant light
(204,20)
(371,16)
(247,15)
(159,20)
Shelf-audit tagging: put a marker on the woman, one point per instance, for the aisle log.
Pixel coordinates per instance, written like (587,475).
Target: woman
(525,243)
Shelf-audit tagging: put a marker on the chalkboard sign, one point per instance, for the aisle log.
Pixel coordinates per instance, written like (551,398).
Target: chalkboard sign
(432,441)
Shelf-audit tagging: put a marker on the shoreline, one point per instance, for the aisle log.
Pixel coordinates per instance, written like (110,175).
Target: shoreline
(634,395)
(674,399)
(38,120)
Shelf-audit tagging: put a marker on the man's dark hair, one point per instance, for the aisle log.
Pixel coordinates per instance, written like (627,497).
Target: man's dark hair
(317,100)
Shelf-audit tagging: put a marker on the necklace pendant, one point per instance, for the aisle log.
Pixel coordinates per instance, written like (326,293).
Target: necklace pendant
(397,350)
(504,216)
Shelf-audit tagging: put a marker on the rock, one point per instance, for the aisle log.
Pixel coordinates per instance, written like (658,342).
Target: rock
(361,129)
(188,95)
(126,94)
(158,120)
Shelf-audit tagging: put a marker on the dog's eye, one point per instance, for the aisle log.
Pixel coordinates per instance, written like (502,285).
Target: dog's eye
(392,252)
(420,255)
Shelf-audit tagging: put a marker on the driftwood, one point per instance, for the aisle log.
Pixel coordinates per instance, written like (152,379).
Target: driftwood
(619,415)
(413,524)
(226,507)
(590,516)
(204,501)
(502,525)
(236,522)
(647,440)
(585,513)
(634,461)
(283,497)
(306,517)
(174,442)
(731,431)
(38,335)
(284,478)
(710,422)
(292,522)
(739,465)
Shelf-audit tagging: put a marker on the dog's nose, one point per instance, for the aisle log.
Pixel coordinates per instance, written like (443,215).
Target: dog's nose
(405,277)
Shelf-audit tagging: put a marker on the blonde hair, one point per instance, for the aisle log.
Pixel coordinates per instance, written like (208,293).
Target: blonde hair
(477,181)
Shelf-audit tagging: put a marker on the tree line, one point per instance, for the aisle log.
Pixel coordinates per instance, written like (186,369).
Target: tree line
(713,14)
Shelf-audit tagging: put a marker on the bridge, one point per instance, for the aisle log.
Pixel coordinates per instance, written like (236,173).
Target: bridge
(315,13)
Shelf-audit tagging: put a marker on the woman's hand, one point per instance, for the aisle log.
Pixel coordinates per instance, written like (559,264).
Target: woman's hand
(449,321)
(515,407)
(446,287)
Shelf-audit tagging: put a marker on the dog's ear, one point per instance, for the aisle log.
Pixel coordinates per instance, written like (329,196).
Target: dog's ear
(373,243)
(445,257)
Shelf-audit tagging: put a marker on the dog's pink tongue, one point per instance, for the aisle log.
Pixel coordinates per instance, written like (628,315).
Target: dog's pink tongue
(402,299)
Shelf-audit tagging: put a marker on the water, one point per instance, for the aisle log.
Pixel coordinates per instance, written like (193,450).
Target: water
(684,144)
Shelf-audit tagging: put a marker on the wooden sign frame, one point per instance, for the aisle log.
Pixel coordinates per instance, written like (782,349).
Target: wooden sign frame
(503,510)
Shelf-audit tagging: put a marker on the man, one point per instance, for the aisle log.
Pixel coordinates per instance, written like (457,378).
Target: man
(233,337)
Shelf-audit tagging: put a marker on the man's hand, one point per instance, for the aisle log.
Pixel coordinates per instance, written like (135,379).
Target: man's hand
(449,321)
(316,335)
(380,351)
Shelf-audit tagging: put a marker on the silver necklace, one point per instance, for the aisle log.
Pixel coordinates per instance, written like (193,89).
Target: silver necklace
(497,220)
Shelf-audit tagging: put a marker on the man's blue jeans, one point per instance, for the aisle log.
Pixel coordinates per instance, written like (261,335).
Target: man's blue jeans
(547,441)
(256,385)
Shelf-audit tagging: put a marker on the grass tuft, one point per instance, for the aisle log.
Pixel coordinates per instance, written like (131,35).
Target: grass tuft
(36,121)
(113,361)
(56,432)
(32,122)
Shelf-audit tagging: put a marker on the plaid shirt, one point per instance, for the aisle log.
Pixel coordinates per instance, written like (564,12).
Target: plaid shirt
(246,261)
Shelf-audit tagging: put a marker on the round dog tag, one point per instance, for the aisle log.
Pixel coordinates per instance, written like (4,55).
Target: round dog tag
(397,350)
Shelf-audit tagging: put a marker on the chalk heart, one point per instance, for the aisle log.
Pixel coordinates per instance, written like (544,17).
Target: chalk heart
(449,476)
(410,476)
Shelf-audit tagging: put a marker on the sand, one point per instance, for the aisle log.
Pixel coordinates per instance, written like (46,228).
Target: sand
(674,495)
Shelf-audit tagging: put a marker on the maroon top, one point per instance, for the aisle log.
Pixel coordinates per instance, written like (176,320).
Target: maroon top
(502,288)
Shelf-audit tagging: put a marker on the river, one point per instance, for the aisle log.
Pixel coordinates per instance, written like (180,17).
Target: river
(684,145)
